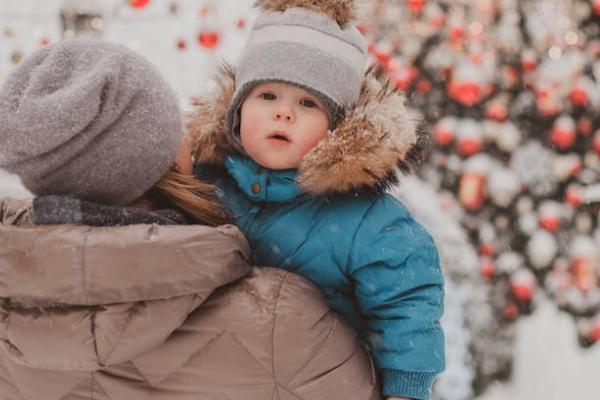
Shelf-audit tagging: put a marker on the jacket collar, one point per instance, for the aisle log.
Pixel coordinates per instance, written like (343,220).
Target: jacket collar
(262,184)
(375,139)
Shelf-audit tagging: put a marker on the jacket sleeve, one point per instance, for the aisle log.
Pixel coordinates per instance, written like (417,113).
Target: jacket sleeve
(399,289)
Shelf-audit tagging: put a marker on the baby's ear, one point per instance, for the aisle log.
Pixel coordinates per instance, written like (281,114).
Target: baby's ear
(206,125)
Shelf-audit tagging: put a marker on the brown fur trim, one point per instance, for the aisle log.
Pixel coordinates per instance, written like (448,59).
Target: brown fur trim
(206,126)
(374,141)
(342,11)
(366,148)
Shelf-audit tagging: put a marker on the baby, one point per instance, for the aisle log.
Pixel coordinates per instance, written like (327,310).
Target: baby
(302,142)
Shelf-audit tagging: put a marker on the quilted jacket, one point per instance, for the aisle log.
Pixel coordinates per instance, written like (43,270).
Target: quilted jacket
(162,312)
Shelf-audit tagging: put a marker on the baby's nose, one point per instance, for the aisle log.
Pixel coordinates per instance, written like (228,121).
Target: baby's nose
(283,115)
(284,112)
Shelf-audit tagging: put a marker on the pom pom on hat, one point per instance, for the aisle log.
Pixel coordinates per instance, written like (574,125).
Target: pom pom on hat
(341,11)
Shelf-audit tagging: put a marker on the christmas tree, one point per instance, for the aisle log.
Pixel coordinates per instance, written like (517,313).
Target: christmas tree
(510,92)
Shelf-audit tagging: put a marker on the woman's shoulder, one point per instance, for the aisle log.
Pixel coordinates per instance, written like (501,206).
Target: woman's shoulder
(295,332)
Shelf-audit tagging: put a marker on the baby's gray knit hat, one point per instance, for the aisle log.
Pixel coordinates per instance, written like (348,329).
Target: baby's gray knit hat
(89,119)
(309,44)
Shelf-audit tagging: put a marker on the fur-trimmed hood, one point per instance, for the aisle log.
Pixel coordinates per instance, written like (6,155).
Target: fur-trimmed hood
(369,146)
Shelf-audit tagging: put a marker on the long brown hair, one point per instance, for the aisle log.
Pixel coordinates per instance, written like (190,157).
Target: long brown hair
(187,195)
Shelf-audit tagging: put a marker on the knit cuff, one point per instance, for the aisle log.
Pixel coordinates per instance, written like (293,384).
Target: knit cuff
(413,385)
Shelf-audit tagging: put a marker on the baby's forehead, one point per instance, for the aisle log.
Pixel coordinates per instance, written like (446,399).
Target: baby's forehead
(282,86)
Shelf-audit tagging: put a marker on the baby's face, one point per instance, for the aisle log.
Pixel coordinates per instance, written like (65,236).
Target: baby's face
(280,123)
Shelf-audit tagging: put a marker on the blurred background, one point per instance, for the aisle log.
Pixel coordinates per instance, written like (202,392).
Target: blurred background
(508,92)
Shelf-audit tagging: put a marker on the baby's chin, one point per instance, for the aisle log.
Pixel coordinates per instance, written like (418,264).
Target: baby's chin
(275,164)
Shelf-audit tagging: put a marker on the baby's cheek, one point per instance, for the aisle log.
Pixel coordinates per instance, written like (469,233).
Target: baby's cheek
(249,127)
(312,141)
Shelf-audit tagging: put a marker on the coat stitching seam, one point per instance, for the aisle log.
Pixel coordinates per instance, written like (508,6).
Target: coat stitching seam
(287,275)
(238,341)
(321,347)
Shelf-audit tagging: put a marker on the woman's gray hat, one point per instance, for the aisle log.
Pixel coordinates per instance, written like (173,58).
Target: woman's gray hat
(309,44)
(89,119)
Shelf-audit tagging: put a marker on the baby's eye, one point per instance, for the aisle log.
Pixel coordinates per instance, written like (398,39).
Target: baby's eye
(268,96)
(308,103)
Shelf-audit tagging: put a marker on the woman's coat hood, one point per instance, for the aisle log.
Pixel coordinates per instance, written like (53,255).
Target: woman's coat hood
(374,140)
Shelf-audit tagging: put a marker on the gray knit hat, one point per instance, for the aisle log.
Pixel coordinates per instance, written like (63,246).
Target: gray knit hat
(89,119)
(310,44)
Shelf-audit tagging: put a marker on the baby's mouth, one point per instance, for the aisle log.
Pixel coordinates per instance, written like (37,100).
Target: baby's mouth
(279,137)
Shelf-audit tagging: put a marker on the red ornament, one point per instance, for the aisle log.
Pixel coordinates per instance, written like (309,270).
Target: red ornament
(487,268)
(240,23)
(510,76)
(181,44)
(416,6)
(562,137)
(550,216)
(468,147)
(457,33)
(574,196)
(579,97)
(584,126)
(584,274)
(472,191)
(467,93)
(487,249)
(547,104)
(404,77)
(597,142)
(496,111)
(529,61)
(208,39)
(138,3)
(595,331)
(596,7)
(438,20)
(383,57)
(475,58)
(550,223)
(510,311)
(44,41)
(522,291)
(424,86)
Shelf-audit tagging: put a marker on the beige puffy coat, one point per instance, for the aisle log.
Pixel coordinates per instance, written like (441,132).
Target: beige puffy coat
(162,312)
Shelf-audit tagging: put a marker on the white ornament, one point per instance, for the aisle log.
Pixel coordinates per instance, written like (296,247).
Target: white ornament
(503,186)
(541,249)
(509,262)
(565,167)
(509,137)
(533,163)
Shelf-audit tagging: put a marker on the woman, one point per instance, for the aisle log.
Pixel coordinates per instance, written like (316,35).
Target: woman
(125,300)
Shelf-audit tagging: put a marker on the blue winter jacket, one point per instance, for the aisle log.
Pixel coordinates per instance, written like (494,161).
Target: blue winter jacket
(376,265)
